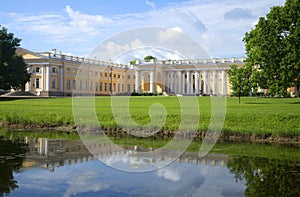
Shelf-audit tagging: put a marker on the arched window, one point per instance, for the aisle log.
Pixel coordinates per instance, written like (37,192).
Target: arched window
(37,69)
(101,86)
(53,83)
(68,83)
(80,85)
(74,84)
(37,82)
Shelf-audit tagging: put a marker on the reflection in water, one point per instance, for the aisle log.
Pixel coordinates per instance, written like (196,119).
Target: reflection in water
(66,168)
(267,177)
(11,159)
(51,153)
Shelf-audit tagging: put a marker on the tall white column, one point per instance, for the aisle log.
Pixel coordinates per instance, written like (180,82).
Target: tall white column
(43,77)
(206,83)
(188,83)
(137,81)
(192,82)
(172,81)
(61,79)
(165,82)
(179,82)
(152,88)
(196,82)
(224,83)
(215,82)
(28,85)
(183,83)
(200,83)
(47,75)
(175,82)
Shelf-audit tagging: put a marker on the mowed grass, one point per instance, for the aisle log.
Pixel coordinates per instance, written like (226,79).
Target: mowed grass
(276,116)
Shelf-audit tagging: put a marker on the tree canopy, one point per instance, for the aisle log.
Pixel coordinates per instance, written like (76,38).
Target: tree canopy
(273,46)
(240,80)
(149,57)
(13,70)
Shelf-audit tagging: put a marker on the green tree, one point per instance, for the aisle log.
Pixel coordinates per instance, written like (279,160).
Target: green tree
(274,46)
(241,81)
(13,70)
(149,57)
(133,62)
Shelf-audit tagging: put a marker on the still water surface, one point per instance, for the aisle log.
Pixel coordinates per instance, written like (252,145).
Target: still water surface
(60,167)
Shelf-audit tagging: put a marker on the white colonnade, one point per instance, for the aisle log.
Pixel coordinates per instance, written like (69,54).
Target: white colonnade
(188,82)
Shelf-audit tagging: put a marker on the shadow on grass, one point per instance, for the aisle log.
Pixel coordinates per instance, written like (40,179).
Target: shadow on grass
(297,102)
(257,103)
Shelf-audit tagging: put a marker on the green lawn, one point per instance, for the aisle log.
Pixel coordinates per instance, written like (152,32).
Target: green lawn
(277,116)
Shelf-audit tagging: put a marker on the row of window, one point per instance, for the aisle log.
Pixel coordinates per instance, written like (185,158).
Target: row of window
(37,69)
(101,86)
(105,74)
(55,70)
(37,83)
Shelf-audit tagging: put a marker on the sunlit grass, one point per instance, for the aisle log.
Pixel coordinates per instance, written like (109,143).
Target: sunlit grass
(276,116)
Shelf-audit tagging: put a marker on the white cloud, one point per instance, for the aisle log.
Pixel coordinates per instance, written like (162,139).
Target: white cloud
(84,183)
(61,26)
(150,3)
(169,174)
(169,35)
(238,13)
(177,29)
(88,24)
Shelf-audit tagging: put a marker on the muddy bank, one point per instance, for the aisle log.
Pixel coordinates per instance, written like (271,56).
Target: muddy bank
(200,135)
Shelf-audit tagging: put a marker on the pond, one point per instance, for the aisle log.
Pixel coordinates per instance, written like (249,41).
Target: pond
(54,166)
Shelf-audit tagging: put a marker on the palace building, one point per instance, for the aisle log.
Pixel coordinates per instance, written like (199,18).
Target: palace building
(56,74)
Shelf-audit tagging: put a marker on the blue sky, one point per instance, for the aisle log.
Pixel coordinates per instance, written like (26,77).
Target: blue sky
(77,27)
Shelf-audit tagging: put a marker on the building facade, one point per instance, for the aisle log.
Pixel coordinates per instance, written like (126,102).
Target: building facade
(185,77)
(55,74)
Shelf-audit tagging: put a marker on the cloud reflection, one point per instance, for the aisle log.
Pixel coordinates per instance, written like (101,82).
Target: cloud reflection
(95,179)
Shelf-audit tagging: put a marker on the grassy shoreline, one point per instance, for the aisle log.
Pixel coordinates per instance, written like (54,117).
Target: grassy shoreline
(269,119)
(262,150)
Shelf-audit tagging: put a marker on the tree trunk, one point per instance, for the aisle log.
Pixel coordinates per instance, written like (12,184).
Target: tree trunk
(23,88)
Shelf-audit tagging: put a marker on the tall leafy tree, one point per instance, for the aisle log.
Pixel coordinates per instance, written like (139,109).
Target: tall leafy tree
(13,70)
(240,79)
(274,46)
